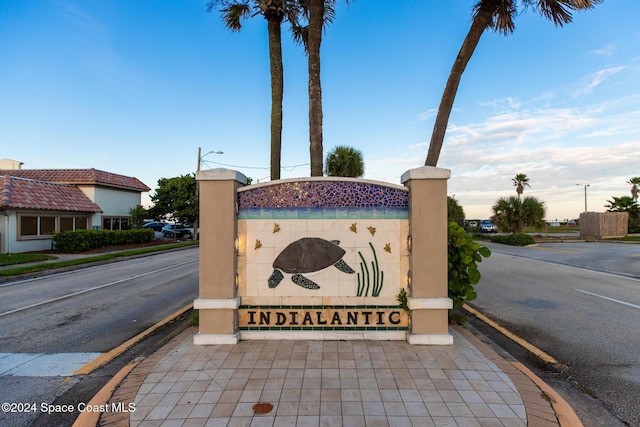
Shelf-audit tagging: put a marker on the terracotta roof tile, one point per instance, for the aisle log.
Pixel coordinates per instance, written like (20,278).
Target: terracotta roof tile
(22,193)
(80,176)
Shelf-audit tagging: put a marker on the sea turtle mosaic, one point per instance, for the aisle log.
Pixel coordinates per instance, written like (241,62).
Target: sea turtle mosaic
(307,255)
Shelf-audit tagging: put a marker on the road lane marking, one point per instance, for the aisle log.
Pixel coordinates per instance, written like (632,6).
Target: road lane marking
(564,251)
(57,274)
(95,288)
(609,299)
(43,365)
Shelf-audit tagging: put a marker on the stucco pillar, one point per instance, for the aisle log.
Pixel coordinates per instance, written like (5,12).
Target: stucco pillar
(428,300)
(218,300)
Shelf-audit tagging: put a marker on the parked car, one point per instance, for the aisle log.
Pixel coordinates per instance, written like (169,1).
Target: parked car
(571,224)
(487,226)
(554,224)
(178,231)
(155,226)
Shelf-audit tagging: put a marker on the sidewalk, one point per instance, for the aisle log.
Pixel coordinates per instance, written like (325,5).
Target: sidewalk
(333,383)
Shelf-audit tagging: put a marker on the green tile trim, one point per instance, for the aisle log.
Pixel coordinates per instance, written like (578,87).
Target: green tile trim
(324,213)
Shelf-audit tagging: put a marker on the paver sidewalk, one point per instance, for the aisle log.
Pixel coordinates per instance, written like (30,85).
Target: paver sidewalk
(330,383)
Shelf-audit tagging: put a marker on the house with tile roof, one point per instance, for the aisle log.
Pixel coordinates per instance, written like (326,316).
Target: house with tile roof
(36,203)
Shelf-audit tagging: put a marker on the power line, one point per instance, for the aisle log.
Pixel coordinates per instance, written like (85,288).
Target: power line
(287,168)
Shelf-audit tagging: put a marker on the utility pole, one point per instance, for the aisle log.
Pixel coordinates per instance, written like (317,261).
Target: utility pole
(196,235)
(585,196)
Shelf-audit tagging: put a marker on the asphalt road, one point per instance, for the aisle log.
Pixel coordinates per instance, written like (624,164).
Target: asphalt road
(84,312)
(554,297)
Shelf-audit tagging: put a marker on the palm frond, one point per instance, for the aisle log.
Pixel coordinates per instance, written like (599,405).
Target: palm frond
(233,12)
(301,35)
(560,11)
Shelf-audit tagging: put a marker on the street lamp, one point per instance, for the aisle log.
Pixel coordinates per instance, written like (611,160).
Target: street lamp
(200,157)
(585,195)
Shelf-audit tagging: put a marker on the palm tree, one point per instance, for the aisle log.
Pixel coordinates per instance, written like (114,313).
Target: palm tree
(318,13)
(455,211)
(626,204)
(275,12)
(635,182)
(344,161)
(513,214)
(497,15)
(520,181)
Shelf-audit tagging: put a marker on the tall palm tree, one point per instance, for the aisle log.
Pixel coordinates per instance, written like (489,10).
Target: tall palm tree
(275,12)
(344,161)
(635,182)
(316,21)
(319,13)
(497,15)
(520,181)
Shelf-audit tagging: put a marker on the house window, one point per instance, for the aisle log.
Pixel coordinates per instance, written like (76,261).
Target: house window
(29,226)
(70,223)
(116,223)
(47,225)
(43,226)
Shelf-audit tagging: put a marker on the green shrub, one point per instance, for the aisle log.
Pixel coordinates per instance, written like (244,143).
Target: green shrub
(518,239)
(463,256)
(84,240)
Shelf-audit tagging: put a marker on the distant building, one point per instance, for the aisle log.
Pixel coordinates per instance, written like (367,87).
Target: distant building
(10,164)
(36,203)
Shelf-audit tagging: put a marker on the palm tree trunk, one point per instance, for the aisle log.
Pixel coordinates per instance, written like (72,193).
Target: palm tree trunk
(316,15)
(479,24)
(277,89)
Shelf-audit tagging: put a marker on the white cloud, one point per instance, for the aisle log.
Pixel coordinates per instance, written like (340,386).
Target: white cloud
(507,103)
(607,50)
(427,114)
(590,82)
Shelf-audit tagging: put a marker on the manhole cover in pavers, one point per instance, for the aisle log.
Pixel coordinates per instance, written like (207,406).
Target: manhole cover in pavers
(262,408)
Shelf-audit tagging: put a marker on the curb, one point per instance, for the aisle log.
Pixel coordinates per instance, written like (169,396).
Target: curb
(102,397)
(112,354)
(564,412)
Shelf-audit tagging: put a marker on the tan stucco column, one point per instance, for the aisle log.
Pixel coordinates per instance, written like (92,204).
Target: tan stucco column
(428,300)
(218,299)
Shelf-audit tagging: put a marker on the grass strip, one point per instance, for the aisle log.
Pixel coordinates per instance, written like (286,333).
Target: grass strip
(14,259)
(634,238)
(96,258)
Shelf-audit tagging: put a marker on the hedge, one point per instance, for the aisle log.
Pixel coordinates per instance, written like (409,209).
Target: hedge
(518,239)
(84,240)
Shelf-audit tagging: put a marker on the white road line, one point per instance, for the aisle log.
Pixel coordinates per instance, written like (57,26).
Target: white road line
(84,291)
(57,274)
(43,365)
(609,299)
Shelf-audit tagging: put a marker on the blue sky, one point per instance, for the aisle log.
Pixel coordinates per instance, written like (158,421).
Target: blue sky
(135,87)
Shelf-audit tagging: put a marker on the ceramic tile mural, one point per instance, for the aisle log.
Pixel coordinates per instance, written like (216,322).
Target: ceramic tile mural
(348,243)
(324,193)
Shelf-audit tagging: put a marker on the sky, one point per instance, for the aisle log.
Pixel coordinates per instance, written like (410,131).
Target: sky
(136,87)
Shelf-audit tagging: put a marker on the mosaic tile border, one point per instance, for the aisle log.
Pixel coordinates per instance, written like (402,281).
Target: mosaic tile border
(322,328)
(319,307)
(323,193)
(323,213)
